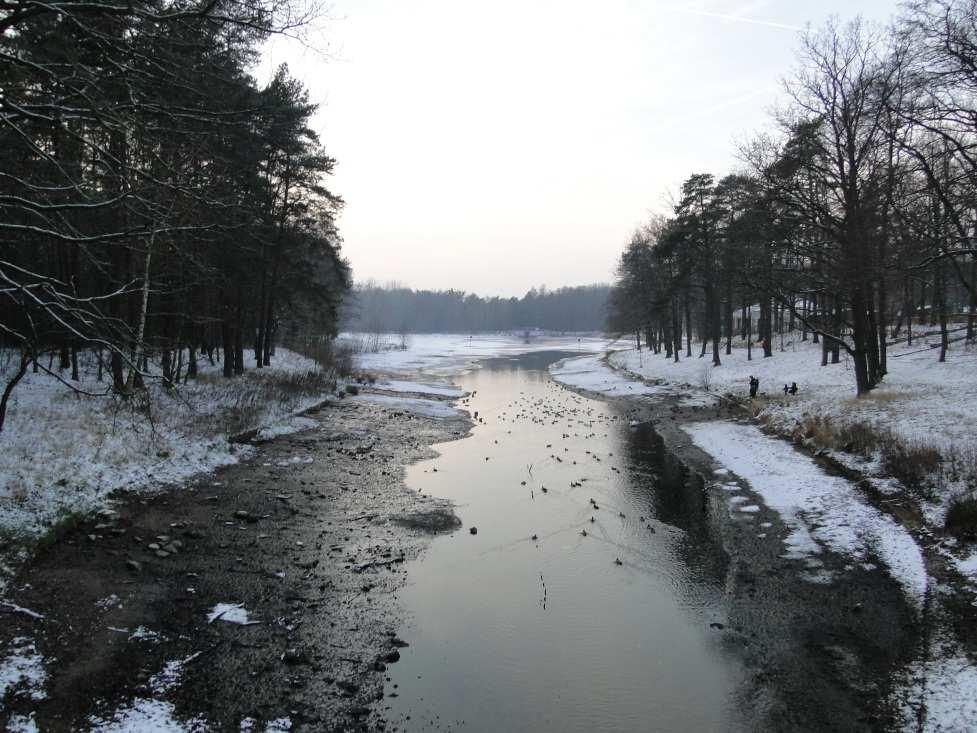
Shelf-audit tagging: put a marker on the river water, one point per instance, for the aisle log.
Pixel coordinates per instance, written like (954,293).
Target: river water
(512,633)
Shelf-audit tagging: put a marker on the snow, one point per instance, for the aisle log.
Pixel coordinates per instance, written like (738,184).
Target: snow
(287,426)
(169,678)
(436,390)
(14,608)
(967,565)
(151,714)
(944,684)
(232,613)
(21,724)
(144,715)
(142,633)
(448,354)
(820,510)
(64,453)
(591,373)
(22,671)
(424,408)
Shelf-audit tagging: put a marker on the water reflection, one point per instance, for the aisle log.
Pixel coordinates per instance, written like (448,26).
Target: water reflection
(512,633)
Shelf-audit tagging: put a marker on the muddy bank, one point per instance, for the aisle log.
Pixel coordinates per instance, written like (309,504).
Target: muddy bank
(305,543)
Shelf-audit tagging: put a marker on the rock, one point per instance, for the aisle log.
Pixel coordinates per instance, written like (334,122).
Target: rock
(134,565)
(473,530)
(162,553)
(246,516)
(153,546)
(295,655)
(392,656)
(717,625)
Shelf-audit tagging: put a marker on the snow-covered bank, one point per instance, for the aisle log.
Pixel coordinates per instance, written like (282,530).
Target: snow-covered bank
(821,510)
(62,452)
(447,354)
(421,388)
(424,408)
(591,373)
(922,406)
(920,399)
(943,687)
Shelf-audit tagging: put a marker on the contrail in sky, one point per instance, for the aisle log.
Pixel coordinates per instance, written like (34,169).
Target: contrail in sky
(734,18)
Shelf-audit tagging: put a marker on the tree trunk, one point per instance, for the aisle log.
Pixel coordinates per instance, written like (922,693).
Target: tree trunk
(18,375)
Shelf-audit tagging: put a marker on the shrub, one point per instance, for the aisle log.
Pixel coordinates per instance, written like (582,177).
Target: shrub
(860,437)
(914,464)
(961,517)
(352,389)
(705,376)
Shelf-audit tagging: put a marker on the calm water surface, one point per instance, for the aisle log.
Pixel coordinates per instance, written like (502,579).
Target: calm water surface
(509,633)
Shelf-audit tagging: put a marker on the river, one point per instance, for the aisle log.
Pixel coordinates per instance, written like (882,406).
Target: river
(608,620)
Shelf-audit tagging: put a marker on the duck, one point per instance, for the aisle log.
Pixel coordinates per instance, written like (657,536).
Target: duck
(617,561)
(583,532)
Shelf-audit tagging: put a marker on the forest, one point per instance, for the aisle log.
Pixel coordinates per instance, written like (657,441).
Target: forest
(157,205)
(851,220)
(394,308)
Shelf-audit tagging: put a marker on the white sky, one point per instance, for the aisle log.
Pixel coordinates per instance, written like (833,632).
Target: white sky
(493,145)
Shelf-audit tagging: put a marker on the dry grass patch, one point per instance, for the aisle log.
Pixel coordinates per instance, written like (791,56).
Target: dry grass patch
(875,397)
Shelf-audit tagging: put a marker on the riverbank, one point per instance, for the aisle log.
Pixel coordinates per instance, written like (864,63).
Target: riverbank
(260,597)
(826,507)
(66,447)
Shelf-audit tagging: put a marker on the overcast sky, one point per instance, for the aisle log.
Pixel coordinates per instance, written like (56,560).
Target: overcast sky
(493,145)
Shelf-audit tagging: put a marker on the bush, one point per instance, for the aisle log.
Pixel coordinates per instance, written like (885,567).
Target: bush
(352,389)
(915,465)
(961,518)
(860,437)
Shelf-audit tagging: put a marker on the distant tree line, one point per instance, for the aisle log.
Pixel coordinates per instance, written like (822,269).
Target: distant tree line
(395,308)
(854,220)
(155,201)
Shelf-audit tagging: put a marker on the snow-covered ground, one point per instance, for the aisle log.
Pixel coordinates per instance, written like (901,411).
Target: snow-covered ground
(821,510)
(62,452)
(920,399)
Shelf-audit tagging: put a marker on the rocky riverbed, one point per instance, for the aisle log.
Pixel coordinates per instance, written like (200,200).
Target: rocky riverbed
(257,598)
